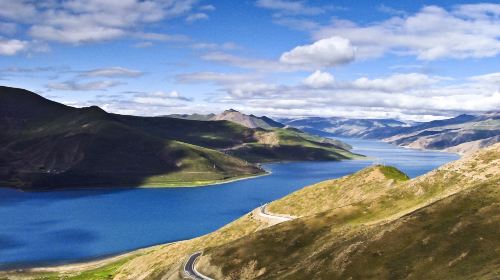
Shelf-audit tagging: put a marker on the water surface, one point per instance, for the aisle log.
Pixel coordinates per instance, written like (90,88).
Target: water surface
(67,226)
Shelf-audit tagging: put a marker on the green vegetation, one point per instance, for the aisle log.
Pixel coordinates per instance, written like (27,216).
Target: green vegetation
(393,173)
(283,144)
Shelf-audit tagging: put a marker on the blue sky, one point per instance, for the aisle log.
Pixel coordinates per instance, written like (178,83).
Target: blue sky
(412,60)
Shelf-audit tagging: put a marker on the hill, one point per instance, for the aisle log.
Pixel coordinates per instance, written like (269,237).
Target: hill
(442,225)
(373,224)
(48,145)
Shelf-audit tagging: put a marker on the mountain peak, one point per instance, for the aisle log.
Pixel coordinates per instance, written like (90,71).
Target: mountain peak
(250,121)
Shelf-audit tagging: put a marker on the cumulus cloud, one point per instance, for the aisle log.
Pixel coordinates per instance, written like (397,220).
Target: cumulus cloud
(319,79)
(409,96)
(112,72)
(85,21)
(432,33)
(326,52)
(394,83)
(12,46)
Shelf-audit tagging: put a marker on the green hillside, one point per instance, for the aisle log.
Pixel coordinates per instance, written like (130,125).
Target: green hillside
(90,148)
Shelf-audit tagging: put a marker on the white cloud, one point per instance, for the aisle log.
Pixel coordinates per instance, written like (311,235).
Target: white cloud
(432,33)
(12,46)
(319,79)
(160,98)
(394,83)
(251,90)
(214,46)
(112,72)
(327,52)
(289,7)
(215,77)
(208,8)
(261,65)
(196,17)
(17,10)
(408,96)
(493,78)
(88,86)
(85,21)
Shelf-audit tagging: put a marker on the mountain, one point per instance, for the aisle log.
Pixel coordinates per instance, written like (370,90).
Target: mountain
(343,127)
(463,134)
(250,121)
(45,144)
(195,117)
(373,224)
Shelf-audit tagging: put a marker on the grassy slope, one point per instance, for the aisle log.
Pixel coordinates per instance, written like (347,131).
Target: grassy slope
(246,143)
(290,145)
(372,224)
(442,225)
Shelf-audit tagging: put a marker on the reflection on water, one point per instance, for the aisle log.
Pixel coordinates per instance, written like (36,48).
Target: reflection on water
(67,226)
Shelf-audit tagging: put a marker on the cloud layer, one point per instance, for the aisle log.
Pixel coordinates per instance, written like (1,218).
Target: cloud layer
(432,33)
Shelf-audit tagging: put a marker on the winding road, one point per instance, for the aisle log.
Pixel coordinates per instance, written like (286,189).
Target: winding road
(191,271)
(189,268)
(274,219)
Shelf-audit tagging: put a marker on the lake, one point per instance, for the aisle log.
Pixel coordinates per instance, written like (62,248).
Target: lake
(56,227)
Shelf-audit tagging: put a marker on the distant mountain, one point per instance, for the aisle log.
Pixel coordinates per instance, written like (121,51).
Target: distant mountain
(343,127)
(463,134)
(44,144)
(250,121)
(195,117)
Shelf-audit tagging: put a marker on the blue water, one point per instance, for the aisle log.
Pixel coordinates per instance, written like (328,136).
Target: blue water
(67,226)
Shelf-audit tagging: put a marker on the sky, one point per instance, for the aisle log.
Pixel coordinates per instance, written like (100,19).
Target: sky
(410,60)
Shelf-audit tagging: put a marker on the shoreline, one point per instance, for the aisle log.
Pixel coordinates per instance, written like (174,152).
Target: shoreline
(147,186)
(84,265)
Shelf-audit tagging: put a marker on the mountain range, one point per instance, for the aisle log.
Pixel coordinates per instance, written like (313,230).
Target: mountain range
(461,134)
(44,144)
(250,121)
